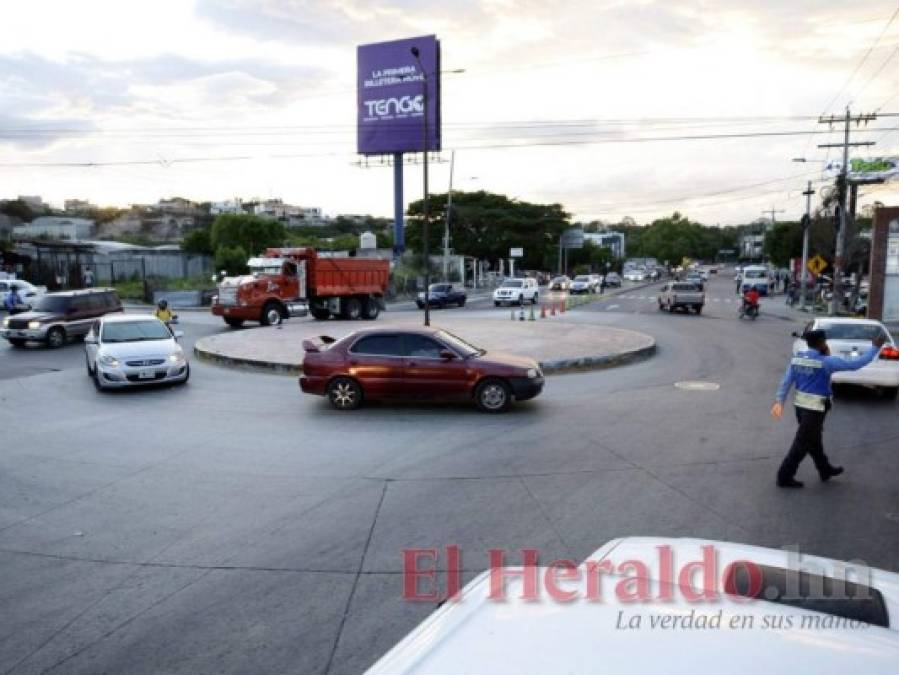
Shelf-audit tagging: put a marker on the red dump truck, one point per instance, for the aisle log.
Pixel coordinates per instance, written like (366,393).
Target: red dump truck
(287,282)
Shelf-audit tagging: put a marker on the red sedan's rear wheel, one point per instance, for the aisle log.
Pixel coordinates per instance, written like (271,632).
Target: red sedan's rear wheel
(493,396)
(344,393)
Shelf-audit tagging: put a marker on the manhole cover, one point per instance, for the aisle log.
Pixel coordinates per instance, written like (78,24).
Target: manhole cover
(696,385)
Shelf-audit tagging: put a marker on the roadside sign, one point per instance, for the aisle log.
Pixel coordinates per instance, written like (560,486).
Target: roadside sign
(816,265)
(516,252)
(573,238)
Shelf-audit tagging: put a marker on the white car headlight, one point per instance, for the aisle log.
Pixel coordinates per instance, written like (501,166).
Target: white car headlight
(6,322)
(176,357)
(532,373)
(34,325)
(108,360)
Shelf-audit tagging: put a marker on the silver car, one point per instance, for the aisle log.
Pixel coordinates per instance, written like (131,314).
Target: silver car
(126,350)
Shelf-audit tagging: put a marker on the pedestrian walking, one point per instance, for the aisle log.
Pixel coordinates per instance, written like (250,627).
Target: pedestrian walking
(88,277)
(602,284)
(810,371)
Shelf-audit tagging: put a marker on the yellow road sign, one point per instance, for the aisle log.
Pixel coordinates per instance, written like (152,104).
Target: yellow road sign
(817,265)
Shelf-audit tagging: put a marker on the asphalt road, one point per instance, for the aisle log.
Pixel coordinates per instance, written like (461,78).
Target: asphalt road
(234,525)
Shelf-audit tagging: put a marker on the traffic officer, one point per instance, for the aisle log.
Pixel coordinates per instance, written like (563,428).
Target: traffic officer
(810,372)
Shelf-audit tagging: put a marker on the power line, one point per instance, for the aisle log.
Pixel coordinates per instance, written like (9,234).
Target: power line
(861,63)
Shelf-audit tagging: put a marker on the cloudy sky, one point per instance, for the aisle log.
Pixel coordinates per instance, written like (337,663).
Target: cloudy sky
(556,104)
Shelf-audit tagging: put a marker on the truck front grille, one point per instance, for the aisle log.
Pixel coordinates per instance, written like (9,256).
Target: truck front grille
(227,296)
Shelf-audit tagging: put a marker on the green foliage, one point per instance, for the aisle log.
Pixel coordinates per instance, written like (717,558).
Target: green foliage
(782,242)
(198,241)
(17,208)
(232,259)
(250,233)
(487,225)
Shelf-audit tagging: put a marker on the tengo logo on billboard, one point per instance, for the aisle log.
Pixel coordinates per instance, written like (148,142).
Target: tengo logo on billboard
(404,105)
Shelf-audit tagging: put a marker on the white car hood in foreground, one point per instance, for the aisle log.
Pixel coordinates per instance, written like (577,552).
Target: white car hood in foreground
(479,635)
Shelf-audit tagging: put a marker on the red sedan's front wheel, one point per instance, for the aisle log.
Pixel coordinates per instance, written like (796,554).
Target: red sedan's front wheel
(493,396)
(345,393)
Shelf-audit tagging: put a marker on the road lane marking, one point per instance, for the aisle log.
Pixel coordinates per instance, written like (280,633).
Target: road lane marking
(612,307)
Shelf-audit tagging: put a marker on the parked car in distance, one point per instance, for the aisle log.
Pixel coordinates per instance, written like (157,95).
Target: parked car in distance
(582,283)
(516,292)
(561,283)
(613,279)
(442,295)
(127,350)
(415,364)
(696,279)
(59,316)
(561,628)
(27,291)
(849,338)
(681,295)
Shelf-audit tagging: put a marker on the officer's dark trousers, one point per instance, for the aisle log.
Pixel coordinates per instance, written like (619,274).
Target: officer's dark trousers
(808,440)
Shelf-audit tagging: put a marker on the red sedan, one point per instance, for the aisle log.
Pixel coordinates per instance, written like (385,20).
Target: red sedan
(415,364)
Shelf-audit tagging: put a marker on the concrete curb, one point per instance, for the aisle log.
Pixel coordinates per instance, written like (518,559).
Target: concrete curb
(552,367)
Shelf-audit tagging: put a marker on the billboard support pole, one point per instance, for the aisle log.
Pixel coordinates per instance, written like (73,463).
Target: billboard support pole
(399,233)
(806,226)
(426,208)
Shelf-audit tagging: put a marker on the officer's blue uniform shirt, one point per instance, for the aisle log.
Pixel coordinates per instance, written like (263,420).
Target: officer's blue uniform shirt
(810,372)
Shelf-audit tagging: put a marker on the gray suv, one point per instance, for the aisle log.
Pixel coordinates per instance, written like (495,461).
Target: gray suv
(59,316)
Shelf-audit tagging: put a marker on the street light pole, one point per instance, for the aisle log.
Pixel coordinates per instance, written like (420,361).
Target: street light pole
(426,209)
(449,208)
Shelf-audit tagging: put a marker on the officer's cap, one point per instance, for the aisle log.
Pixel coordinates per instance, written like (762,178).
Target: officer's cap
(812,337)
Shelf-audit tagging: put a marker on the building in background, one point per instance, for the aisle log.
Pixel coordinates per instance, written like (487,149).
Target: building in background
(752,246)
(56,227)
(290,215)
(227,206)
(78,206)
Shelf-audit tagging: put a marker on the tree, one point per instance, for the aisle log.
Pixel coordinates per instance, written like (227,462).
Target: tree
(251,233)
(232,259)
(198,241)
(17,208)
(487,225)
(782,242)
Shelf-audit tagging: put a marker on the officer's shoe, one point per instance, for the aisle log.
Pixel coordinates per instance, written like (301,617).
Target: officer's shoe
(790,483)
(831,472)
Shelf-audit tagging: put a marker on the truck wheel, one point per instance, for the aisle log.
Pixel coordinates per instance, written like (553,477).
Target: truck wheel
(344,393)
(271,314)
(234,323)
(698,309)
(352,309)
(56,337)
(320,313)
(889,392)
(370,309)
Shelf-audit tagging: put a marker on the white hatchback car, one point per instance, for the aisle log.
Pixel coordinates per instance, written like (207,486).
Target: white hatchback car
(126,350)
(28,292)
(516,292)
(849,338)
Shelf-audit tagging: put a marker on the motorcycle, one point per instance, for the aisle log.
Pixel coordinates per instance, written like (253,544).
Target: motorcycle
(749,310)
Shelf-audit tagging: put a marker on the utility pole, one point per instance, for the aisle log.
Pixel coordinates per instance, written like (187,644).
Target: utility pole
(842,185)
(772,211)
(806,226)
(446,229)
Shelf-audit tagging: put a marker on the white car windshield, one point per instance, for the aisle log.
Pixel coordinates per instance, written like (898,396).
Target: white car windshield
(135,331)
(754,274)
(582,279)
(512,283)
(851,331)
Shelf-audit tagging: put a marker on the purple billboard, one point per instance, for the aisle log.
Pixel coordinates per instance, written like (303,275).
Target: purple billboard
(391,98)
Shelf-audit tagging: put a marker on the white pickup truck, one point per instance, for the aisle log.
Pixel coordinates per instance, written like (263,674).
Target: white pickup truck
(680,294)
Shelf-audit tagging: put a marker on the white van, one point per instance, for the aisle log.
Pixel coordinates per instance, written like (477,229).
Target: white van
(755,275)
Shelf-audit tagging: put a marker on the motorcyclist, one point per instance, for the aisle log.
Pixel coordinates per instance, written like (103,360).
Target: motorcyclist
(163,313)
(751,299)
(13,300)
